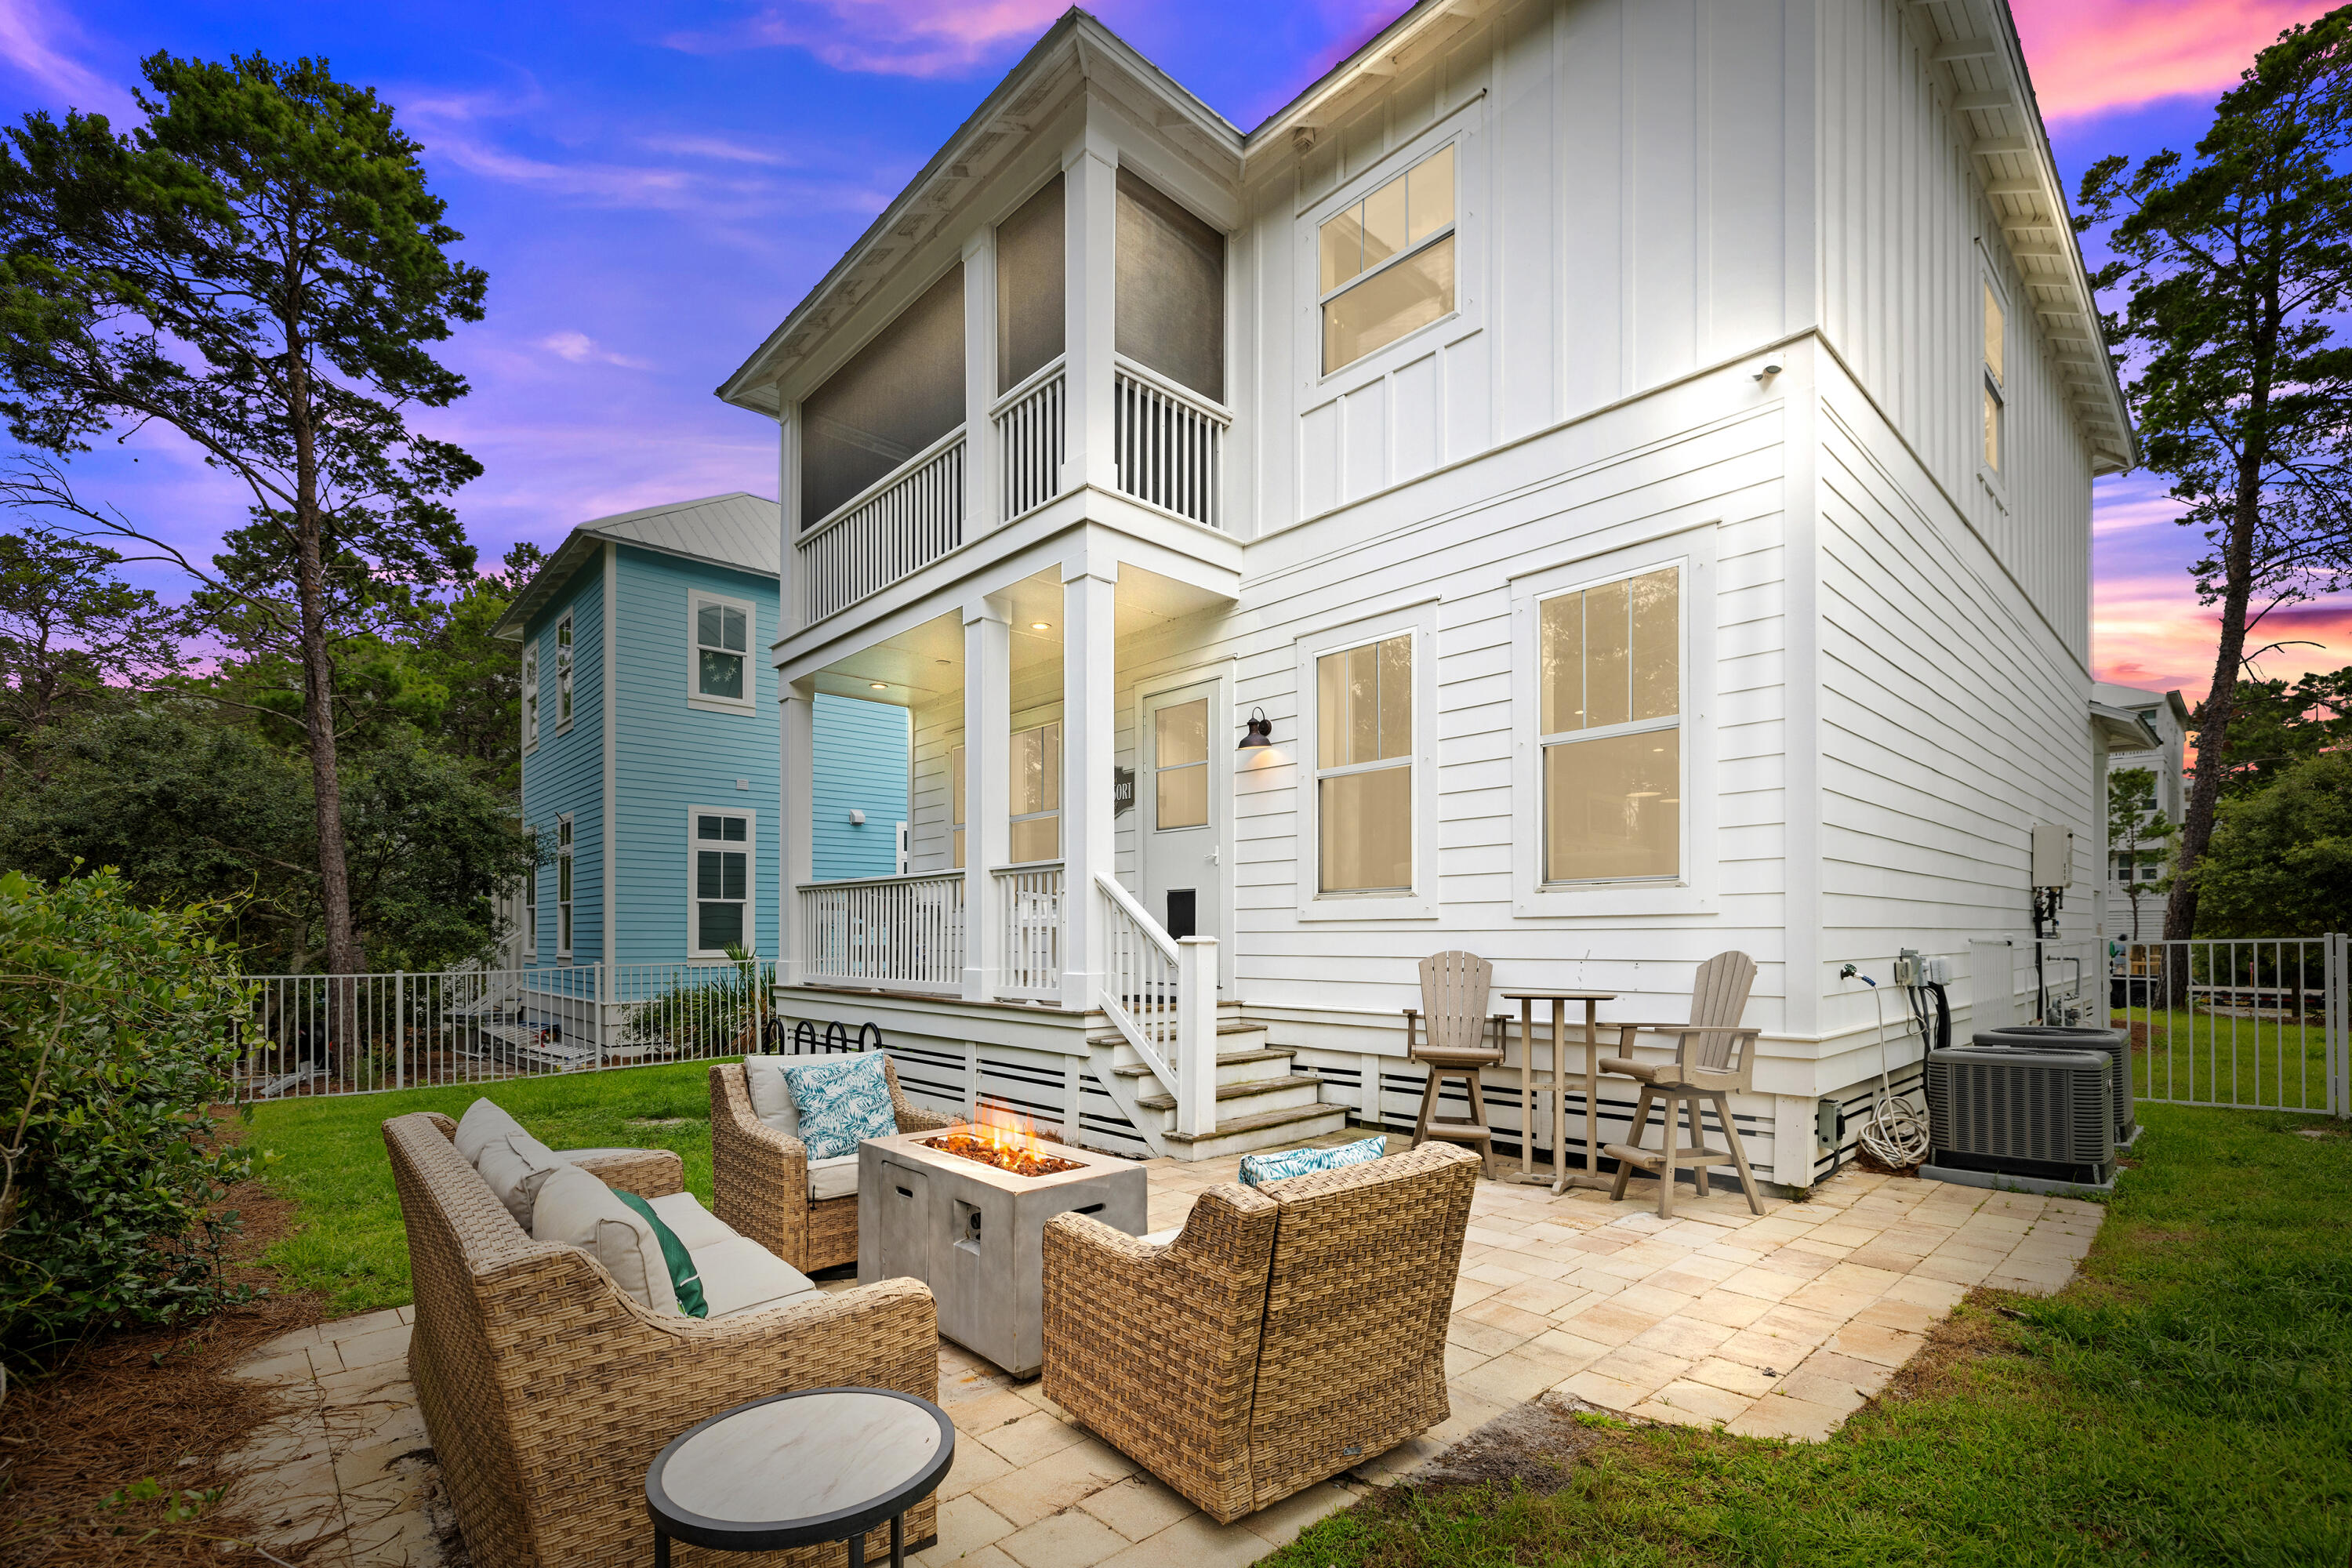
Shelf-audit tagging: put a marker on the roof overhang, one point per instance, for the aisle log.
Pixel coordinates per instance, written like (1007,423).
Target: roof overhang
(576,551)
(2122,729)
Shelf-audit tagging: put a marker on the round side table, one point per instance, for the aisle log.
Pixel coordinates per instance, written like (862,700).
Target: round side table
(793,1469)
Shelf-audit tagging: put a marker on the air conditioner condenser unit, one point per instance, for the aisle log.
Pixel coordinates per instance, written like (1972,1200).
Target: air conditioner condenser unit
(2029,1120)
(2115,1043)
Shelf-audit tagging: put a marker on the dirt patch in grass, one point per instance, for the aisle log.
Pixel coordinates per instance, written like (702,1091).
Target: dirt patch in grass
(155,1406)
(1534,1446)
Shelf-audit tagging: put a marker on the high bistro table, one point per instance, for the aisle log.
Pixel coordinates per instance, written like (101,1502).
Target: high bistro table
(793,1469)
(1558,1081)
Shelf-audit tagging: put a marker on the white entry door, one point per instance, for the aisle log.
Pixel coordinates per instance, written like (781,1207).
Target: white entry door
(1179,803)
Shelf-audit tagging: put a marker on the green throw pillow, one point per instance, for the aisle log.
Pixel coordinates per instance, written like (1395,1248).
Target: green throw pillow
(684,1277)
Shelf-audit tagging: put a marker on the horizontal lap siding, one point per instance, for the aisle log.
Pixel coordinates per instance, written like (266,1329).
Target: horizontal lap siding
(672,757)
(566,773)
(859,763)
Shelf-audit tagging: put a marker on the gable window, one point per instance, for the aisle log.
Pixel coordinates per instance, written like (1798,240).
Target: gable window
(723,881)
(722,651)
(1387,263)
(1610,705)
(529,695)
(955,809)
(563,674)
(1035,804)
(563,887)
(1996,332)
(1363,767)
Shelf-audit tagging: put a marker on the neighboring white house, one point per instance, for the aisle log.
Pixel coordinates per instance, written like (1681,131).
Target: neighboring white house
(1635,457)
(2158,722)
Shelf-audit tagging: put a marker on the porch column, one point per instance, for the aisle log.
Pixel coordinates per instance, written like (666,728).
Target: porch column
(1090,326)
(980,488)
(987,736)
(1089,582)
(796,820)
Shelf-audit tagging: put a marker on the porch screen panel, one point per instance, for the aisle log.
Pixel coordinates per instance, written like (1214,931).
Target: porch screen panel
(1610,669)
(1171,290)
(902,391)
(1031,256)
(1363,755)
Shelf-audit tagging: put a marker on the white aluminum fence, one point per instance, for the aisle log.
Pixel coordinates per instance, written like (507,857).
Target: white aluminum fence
(360,1034)
(1031,442)
(1029,906)
(2254,1023)
(894,933)
(906,523)
(1170,445)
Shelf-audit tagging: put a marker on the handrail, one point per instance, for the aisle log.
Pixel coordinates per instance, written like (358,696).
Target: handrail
(1028,384)
(876,881)
(1175,389)
(1139,914)
(831,519)
(1139,996)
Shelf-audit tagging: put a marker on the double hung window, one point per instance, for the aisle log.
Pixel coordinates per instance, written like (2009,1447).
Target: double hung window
(529,695)
(1363,767)
(563,674)
(1035,805)
(955,809)
(723,881)
(1387,263)
(530,912)
(722,646)
(1610,703)
(1996,331)
(563,887)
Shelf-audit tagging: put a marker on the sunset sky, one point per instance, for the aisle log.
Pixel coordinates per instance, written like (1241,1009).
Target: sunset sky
(651,185)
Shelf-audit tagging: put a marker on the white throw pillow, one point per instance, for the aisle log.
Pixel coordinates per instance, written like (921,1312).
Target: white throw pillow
(575,1209)
(771,1097)
(482,1122)
(515,1167)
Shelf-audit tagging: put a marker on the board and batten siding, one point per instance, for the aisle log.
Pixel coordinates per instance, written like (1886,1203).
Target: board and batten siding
(859,762)
(673,757)
(565,771)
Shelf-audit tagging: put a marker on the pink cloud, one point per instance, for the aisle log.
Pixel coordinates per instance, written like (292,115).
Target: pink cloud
(31,41)
(892,37)
(2091,56)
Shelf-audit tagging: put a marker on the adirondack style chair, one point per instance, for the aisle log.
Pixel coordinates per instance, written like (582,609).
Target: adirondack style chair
(1453,1034)
(1713,1059)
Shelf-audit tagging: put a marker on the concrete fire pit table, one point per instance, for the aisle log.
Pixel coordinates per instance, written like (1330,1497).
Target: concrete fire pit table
(975,1233)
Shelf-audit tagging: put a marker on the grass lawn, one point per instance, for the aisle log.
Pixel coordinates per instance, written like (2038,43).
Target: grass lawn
(2189,1400)
(332,1162)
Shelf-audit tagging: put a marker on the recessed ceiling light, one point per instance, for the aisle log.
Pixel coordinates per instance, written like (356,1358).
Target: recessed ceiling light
(1041,626)
(878,686)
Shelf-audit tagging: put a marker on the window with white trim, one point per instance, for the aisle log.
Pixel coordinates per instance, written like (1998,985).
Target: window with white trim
(1034,807)
(1610,722)
(722,647)
(563,674)
(1363,767)
(1996,343)
(529,695)
(564,886)
(1387,262)
(531,911)
(723,881)
(955,809)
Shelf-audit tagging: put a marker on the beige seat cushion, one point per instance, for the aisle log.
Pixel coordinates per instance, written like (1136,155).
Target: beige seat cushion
(739,1275)
(482,1122)
(834,1178)
(575,1209)
(694,1226)
(772,1097)
(516,1167)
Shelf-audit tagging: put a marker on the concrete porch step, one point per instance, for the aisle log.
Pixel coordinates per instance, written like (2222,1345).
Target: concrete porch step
(1247,1135)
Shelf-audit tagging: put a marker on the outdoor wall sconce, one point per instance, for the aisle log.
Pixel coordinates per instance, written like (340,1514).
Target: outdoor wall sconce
(1258,732)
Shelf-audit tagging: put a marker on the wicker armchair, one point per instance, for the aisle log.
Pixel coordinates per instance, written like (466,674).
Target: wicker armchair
(759,1181)
(1287,1334)
(546,1389)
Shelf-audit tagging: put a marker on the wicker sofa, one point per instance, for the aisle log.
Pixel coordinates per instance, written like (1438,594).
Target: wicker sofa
(759,1177)
(1286,1334)
(547,1390)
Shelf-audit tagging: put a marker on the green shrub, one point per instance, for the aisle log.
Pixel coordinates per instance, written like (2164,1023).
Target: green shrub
(118,1032)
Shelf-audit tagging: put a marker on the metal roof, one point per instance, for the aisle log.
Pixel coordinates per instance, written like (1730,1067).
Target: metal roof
(738,530)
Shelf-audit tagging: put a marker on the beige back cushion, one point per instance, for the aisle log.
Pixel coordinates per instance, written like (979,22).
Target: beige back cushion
(482,1122)
(771,1097)
(515,1167)
(575,1209)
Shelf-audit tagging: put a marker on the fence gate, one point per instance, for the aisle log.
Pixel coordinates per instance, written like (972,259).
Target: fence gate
(2255,1024)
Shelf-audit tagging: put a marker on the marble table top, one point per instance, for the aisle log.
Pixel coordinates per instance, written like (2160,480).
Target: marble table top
(803,1457)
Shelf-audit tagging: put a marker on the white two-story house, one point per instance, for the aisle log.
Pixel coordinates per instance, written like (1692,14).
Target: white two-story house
(1591,483)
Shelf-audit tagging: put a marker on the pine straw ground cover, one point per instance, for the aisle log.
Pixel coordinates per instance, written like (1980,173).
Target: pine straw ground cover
(113,1460)
(2188,1400)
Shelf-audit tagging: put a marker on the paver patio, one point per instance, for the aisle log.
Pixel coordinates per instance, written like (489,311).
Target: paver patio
(1780,1325)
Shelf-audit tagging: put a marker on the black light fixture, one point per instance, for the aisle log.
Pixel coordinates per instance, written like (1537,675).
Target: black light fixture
(1258,732)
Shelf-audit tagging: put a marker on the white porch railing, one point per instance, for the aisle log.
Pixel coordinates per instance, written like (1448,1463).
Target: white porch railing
(1031,442)
(896,933)
(1170,445)
(1161,994)
(906,521)
(1029,911)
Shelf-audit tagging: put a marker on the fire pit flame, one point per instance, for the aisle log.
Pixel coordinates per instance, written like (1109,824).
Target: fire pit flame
(1005,1138)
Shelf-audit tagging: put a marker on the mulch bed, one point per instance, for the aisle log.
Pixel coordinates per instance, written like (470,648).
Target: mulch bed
(151,1405)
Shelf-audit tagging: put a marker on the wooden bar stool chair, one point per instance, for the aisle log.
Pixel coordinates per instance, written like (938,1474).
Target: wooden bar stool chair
(1713,1059)
(1461,1037)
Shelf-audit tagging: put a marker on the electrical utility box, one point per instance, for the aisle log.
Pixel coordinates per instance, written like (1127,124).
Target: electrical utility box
(2054,856)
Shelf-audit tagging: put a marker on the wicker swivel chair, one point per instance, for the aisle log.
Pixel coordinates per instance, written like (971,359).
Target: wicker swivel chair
(1453,1036)
(1713,1059)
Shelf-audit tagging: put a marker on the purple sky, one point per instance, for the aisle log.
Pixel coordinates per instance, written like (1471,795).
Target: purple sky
(651,187)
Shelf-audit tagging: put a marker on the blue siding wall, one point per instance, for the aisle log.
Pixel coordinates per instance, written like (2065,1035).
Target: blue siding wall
(860,764)
(673,758)
(565,771)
